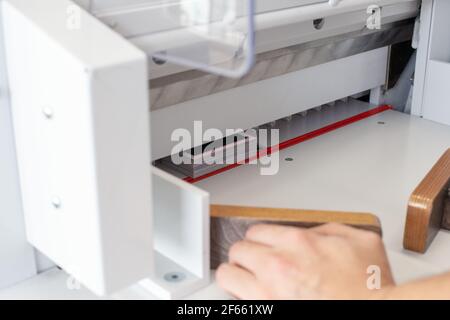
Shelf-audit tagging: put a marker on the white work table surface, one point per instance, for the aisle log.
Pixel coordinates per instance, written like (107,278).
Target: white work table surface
(369,166)
(373,166)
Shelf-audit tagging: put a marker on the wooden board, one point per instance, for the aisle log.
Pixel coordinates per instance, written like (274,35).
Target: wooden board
(230,223)
(426,207)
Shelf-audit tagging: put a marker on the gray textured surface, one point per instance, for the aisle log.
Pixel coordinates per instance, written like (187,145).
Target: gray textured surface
(446,219)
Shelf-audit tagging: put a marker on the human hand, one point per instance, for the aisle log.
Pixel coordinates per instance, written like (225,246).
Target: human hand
(326,262)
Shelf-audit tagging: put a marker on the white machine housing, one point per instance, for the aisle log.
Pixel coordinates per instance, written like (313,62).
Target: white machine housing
(85,136)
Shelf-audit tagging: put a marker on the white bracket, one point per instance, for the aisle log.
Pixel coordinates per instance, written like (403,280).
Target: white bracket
(181,237)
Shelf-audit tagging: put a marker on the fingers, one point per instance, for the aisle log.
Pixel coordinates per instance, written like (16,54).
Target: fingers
(334,229)
(249,255)
(304,240)
(340,230)
(239,282)
(278,236)
(259,267)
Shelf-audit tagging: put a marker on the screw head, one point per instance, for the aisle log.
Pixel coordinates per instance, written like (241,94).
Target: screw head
(318,23)
(56,202)
(48,112)
(159,61)
(174,277)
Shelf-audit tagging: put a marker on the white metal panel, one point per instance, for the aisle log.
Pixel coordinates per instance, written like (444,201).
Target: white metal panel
(181,222)
(436,101)
(80,109)
(324,10)
(422,57)
(16,254)
(293,26)
(436,104)
(440,32)
(261,102)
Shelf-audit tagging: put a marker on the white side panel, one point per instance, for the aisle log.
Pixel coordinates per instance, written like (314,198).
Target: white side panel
(181,222)
(79,100)
(181,231)
(436,104)
(261,102)
(422,57)
(16,254)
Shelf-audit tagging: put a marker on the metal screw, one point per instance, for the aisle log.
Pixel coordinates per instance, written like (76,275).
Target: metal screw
(113,25)
(56,202)
(318,23)
(289,159)
(159,61)
(48,112)
(174,277)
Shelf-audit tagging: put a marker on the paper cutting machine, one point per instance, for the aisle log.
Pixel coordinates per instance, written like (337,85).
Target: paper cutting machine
(92,91)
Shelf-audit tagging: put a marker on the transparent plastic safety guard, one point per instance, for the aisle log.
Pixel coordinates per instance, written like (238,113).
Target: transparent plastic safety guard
(216,36)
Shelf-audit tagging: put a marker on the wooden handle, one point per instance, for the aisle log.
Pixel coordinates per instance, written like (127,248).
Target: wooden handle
(426,207)
(230,223)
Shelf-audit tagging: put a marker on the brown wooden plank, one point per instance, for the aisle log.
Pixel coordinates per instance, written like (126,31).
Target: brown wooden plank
(426,207)
(230,223)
